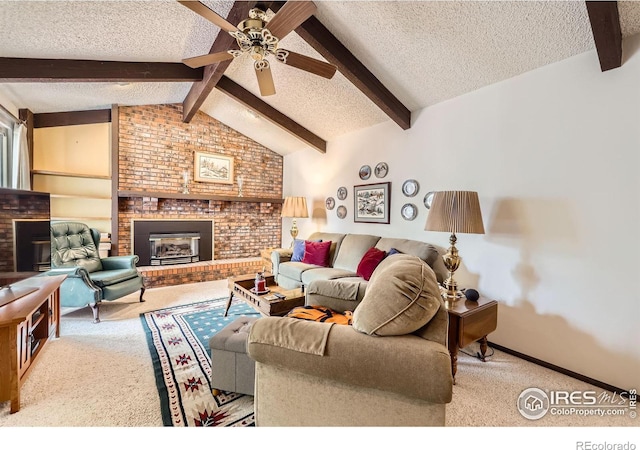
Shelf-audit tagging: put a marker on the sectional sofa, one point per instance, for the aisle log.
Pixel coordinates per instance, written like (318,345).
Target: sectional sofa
(346,253)
(391,367)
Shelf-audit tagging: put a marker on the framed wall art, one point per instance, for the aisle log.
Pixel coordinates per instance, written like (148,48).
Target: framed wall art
(372,203)
(211,168)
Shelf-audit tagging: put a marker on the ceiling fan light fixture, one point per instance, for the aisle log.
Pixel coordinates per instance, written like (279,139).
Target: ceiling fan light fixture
(257,53)
(254,38)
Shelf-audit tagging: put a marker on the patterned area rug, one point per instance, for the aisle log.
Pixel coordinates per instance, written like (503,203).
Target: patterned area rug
(178,340)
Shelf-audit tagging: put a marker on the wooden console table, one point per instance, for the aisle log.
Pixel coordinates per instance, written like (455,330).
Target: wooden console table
(26,325)
(468,322)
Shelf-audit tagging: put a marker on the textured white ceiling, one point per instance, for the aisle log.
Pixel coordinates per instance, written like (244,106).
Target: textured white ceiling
(424,52)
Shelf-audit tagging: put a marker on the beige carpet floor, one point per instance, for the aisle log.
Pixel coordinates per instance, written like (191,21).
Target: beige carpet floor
(101,375)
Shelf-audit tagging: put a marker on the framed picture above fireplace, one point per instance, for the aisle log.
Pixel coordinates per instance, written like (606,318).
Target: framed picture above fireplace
(211,168)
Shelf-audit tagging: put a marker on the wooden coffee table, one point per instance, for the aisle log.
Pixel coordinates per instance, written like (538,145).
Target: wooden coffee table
(241,287)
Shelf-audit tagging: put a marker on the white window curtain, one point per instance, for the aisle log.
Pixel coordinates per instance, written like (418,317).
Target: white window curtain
(21,172)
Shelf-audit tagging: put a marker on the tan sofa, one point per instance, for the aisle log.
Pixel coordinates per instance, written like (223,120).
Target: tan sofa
(390,368)
(346,252)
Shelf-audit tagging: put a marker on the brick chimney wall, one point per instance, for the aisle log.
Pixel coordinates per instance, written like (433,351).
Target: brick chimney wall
(156,147)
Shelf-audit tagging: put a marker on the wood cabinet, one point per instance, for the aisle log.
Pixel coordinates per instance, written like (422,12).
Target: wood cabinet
(26,325)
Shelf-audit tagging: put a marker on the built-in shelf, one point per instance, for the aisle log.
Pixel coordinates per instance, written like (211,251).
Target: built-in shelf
(72,175)
(91,197)
(180,196)
(77,219)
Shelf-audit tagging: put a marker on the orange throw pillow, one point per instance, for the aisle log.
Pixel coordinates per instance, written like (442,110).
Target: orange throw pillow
(320,314)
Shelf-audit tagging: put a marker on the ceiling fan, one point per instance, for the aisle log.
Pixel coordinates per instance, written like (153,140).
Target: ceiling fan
(259,36)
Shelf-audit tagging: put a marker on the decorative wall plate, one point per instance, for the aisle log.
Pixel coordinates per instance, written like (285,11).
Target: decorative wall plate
(428,199)
(341,212)
(342,193)
(330,203)
(409,211)
(382,169)
(410,188)
(365,172)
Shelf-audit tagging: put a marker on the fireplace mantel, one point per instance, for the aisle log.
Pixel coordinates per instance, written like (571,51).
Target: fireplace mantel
(180,196)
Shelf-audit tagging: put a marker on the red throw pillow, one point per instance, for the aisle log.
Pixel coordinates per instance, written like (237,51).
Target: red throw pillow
(369,262)
(317,253)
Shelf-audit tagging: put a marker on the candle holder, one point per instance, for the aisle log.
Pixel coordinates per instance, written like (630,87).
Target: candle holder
(240,182)
(185,184)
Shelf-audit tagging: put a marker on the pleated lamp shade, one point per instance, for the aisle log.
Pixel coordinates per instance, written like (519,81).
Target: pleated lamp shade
(455,212)
(295,207)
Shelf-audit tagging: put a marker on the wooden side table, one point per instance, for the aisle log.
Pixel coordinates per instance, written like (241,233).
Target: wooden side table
(469,322)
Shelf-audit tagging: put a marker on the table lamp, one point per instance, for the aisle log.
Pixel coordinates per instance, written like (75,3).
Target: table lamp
(295,207)
(454,212)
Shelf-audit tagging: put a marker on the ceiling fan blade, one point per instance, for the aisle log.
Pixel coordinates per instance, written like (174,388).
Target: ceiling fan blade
(209,14)
(306,63)
(290,17)
(265,80)
(205,60)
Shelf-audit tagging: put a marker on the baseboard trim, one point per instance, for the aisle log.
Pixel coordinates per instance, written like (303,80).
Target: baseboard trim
(558,369)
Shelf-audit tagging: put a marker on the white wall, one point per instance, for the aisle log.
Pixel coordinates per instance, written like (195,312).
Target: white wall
(554,155)
(4,101)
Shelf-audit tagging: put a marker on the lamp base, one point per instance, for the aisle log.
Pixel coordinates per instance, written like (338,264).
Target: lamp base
(450,298)
(293,231)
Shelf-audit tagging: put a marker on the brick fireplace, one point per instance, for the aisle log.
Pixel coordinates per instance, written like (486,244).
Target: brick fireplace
(155,149)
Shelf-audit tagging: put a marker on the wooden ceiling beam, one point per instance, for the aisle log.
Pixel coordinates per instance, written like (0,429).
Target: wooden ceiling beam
(325,43)
(212,73)
(246,98)
(605,26)
(29,70)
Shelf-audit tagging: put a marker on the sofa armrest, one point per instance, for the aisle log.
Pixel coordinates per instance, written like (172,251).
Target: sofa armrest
(72,272)
(279,256)
(405,365)
(119,262)
(338,295)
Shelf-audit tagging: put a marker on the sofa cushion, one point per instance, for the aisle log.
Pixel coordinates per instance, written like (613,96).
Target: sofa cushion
(402,296)
(393,251)
(352,249)
(324,273)
(336,241)
(317,253)
(294,270)
(426,252)
(369,262)
(298,250)
(299,246)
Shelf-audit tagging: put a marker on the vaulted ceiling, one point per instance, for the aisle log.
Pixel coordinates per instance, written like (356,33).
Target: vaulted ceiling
(393,58)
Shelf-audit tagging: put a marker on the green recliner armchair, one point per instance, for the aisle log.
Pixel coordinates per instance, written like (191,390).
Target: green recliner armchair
(90,279)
